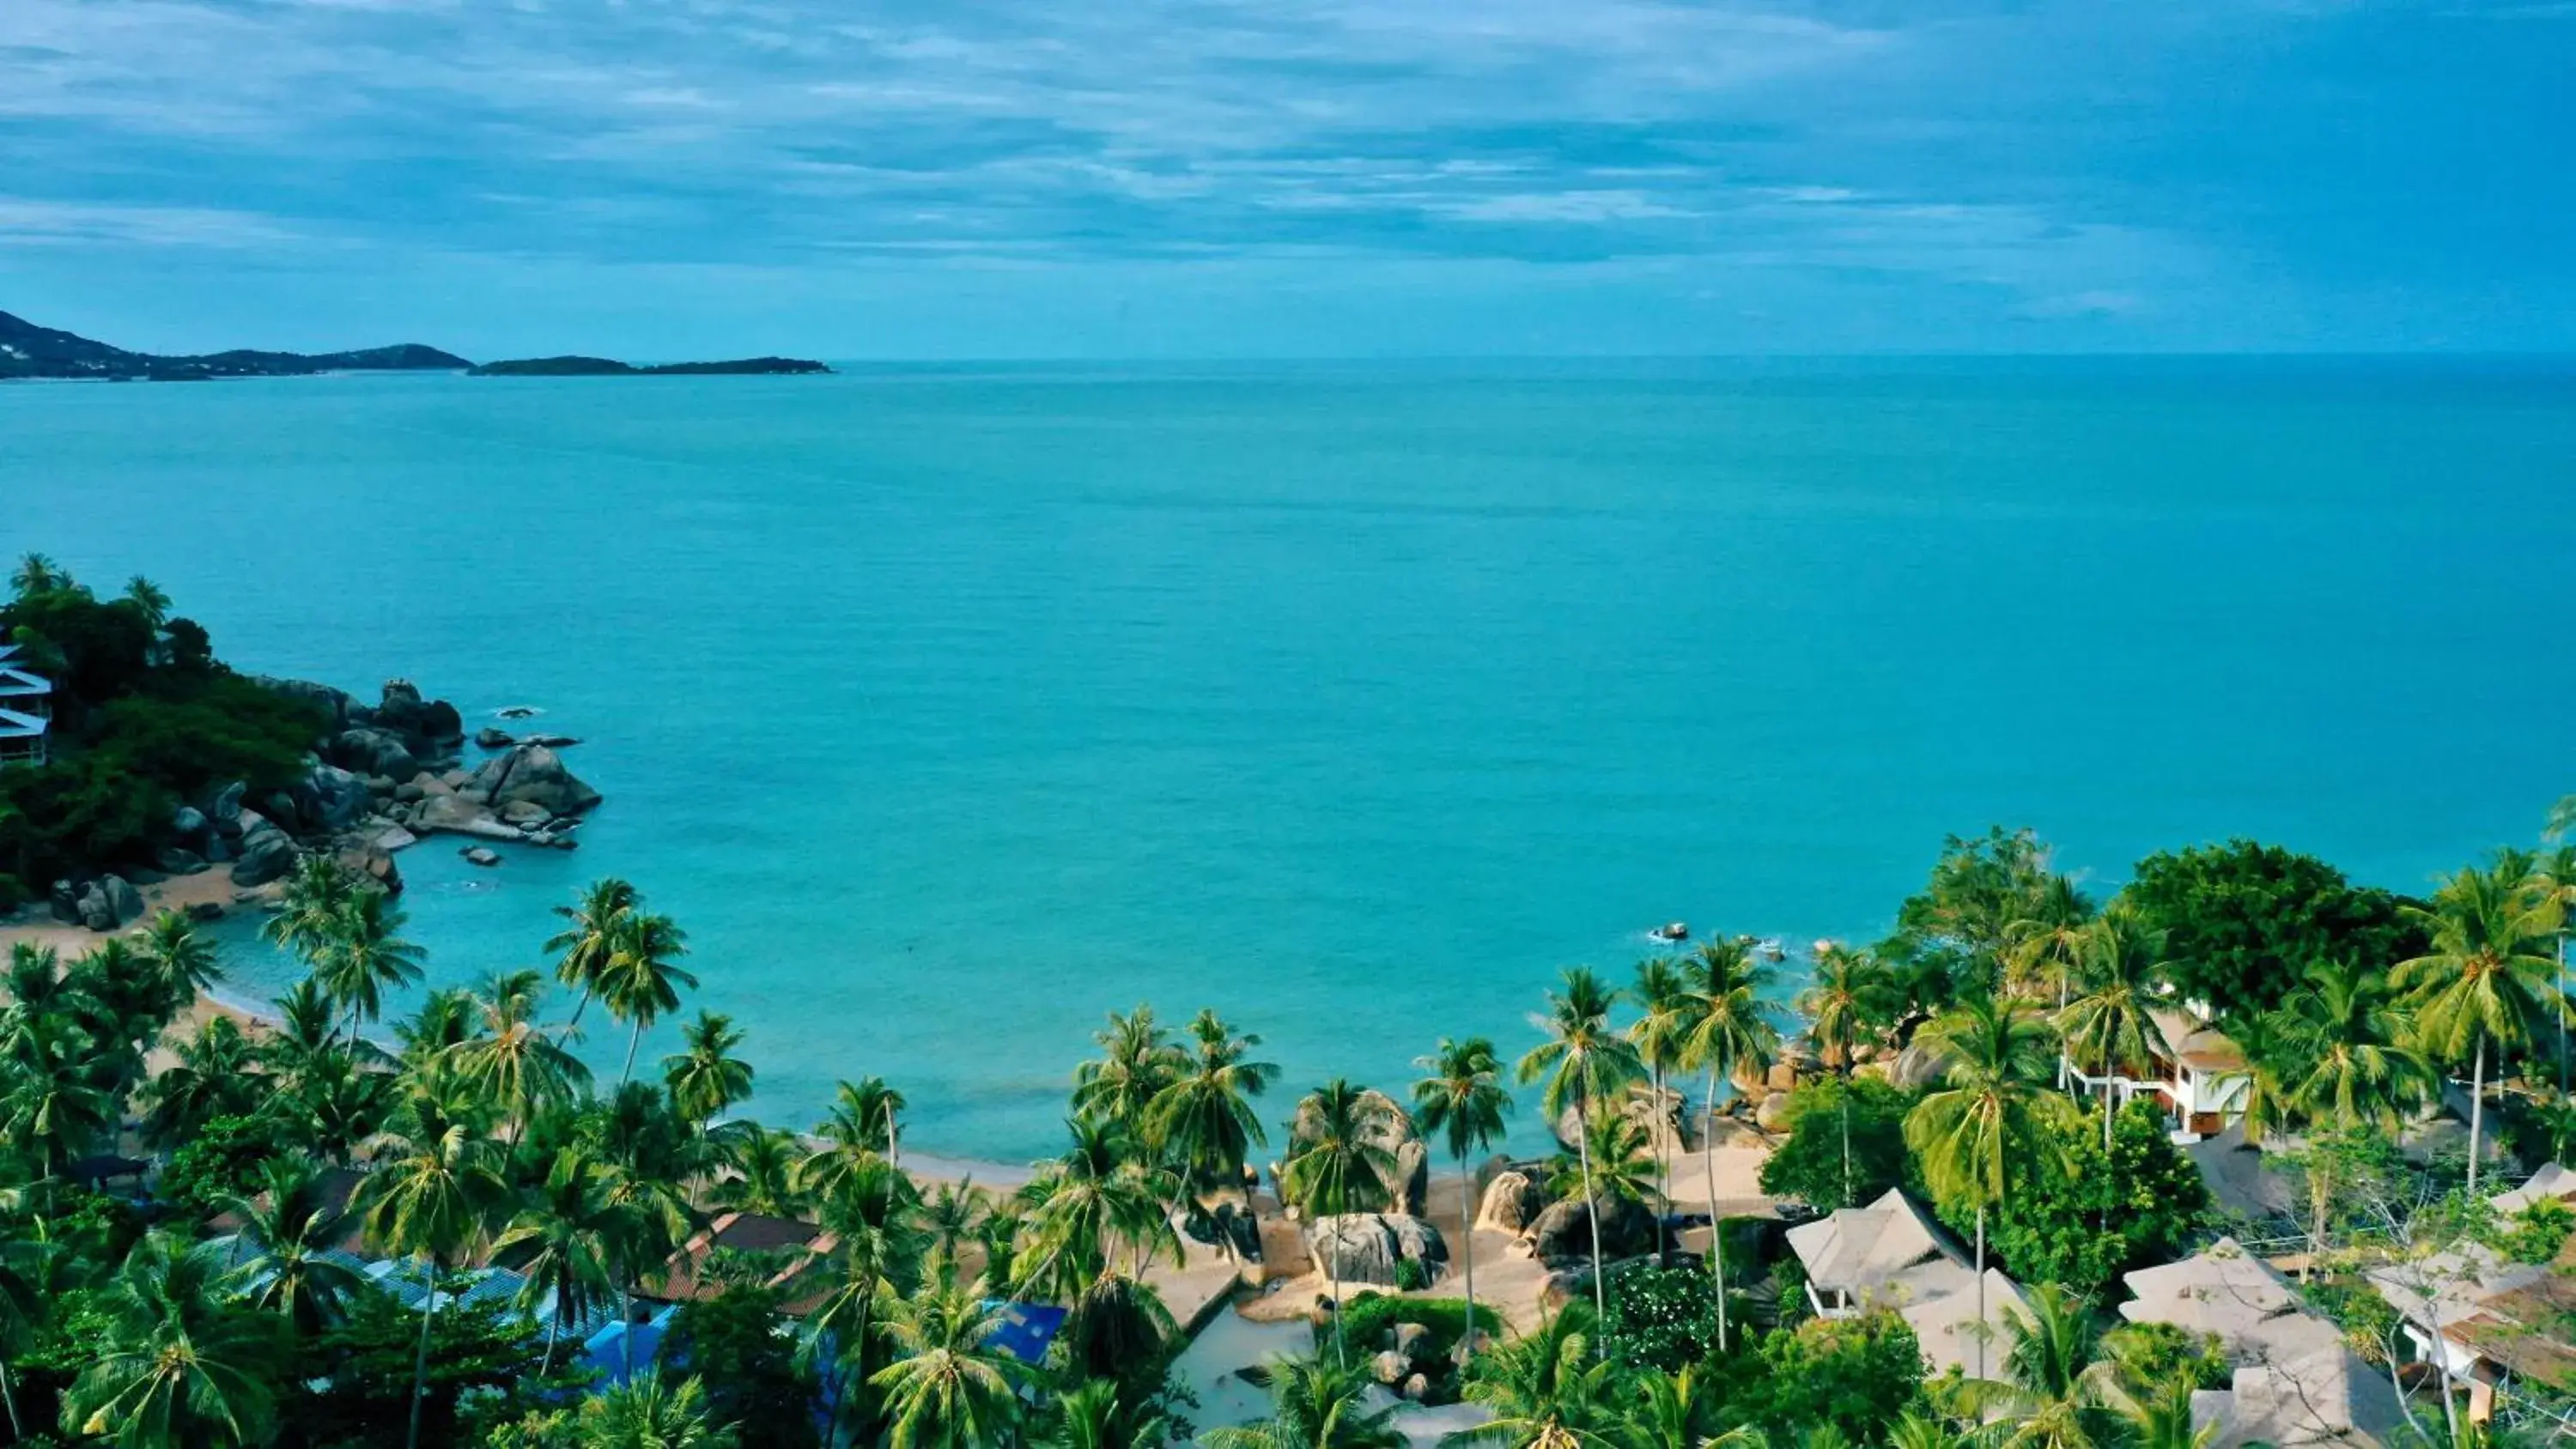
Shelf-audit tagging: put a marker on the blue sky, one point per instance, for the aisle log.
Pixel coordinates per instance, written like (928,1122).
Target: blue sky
(1280,178)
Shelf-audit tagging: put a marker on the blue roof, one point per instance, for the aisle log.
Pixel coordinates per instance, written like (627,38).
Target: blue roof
(607,1351)
(1025,1330)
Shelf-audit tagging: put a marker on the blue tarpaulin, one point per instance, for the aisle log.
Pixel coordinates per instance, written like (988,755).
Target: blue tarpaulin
(1025,1330)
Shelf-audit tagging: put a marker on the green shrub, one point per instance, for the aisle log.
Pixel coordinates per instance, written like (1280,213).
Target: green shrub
(1411,1276)
(1664,1317)
(1809,1165)
(1370,1316)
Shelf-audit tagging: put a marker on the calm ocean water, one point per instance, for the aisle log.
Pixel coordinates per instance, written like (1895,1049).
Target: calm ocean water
(951,708)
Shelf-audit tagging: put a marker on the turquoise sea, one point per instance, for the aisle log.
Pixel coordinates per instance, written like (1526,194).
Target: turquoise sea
(950,708)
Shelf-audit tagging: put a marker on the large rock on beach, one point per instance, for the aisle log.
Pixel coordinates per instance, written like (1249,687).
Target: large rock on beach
(330,798)
(1565,1229)
(1917,1066)
(189,824)
(333,704)
(459,816)
(223,812)
(176,861)
(1513,1200)
(1365,1247)
(536,775)
(372,750)
(267,853)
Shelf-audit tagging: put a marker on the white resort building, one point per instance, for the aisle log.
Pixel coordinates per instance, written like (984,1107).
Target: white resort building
(2199,1078)
(1891,1254)
(26,711)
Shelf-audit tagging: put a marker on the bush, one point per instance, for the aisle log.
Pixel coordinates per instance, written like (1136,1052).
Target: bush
(731,1341)
(2151,1355)
(1370,1316)
(222,1159)
(2082,1219)
(1662,1317)
(1411,1276)
(1854,1374)
(2243,921)
(2538,1232)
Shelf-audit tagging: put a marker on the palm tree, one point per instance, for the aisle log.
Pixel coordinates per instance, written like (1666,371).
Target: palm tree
(1088,1203)
(706,1077)
(1584,1064)
(1203,1116)
(2484,981)
(37,574)
(1734,1037)
(340,1104)
(2559,867)
(1462,1098)
(1338,1163)
(2117,963)
(177,1367)
(1314,1405)
(1668,1010)
(1137,1061)
(1091,1417)
(859,1130)
(29,1264)
(428,1196)
(210,1078)
(2058,1391)
(1672,1412)
(447,1020)
(2042,947)
(2354,1042)
(764,1163)
(289,1231)
(648,1412)
(310,906)
(364,953)
(648,1153)
(1848,1002)
(148,600)
(2161,1418)
(563,1241)
(49,1096)
(589,937)
(870,1213)
(643,975)
(185,955)
(950,1216)
(1623,1167)
(950,1389)
(1988,1115)
(513,1060)
(1546,1389)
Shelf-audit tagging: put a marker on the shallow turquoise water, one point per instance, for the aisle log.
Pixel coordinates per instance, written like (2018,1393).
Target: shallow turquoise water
(950,709)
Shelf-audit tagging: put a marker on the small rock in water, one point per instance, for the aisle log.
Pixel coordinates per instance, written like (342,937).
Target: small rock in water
(492,738)
(205,910)
(482,855)
(516,711)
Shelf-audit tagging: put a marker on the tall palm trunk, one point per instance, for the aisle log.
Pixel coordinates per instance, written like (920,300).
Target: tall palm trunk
(1663,1250)
(578,1008)
(2477,1107)
(1333,1269)
(1981,1290)
(634,1039)
(1847,1182)
(554,1330)
(1467,1245)
(2562,1013)
(9,1396)
(1716,1233)
(1592,1216)
(420,1358)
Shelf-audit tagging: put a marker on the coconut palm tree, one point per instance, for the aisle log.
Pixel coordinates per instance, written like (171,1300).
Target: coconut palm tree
(512,1059)
(950,1389)
(2484,982)
(860,1129)
(1673,1410)
(564,1241)
(1203,1119)
(1622,1168)
(649,1153)
(1338,1163)
(871,1214)
(643,976)
(2161,1418)
(2041,947)
(283,1249)
(1667,1011)
(1989,1114)
(1584,1065)
(1117,1324)
(50,1097)
(340,1104)
(648,1411)
(148,600)
(589,937)
(706,1078)
(1137,1061)
(185,955)
(1546,1389)
(431,1191)
(1092,1417)
(310,907)
(2058,1392)
(1461,1099)
(1314,1404)
(363,953)
(211,1077)
(2356,1045)
(30,1269)
(2558,866)
(37,574)
(1850,1000)
(177,1368)
(1087,1204)
(2117,964)
(950,1215)
(446,1021)
(1732,1038)
(764,1163)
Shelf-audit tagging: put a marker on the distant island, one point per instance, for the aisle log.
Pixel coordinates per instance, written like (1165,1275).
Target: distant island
(28,351)
(611,367)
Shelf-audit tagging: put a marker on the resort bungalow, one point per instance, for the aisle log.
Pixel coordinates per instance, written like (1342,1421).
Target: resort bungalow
(1891,1254)
(2296,1381)
(2489,1321)
(2199,1077)
(26,710)
(780,1253)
